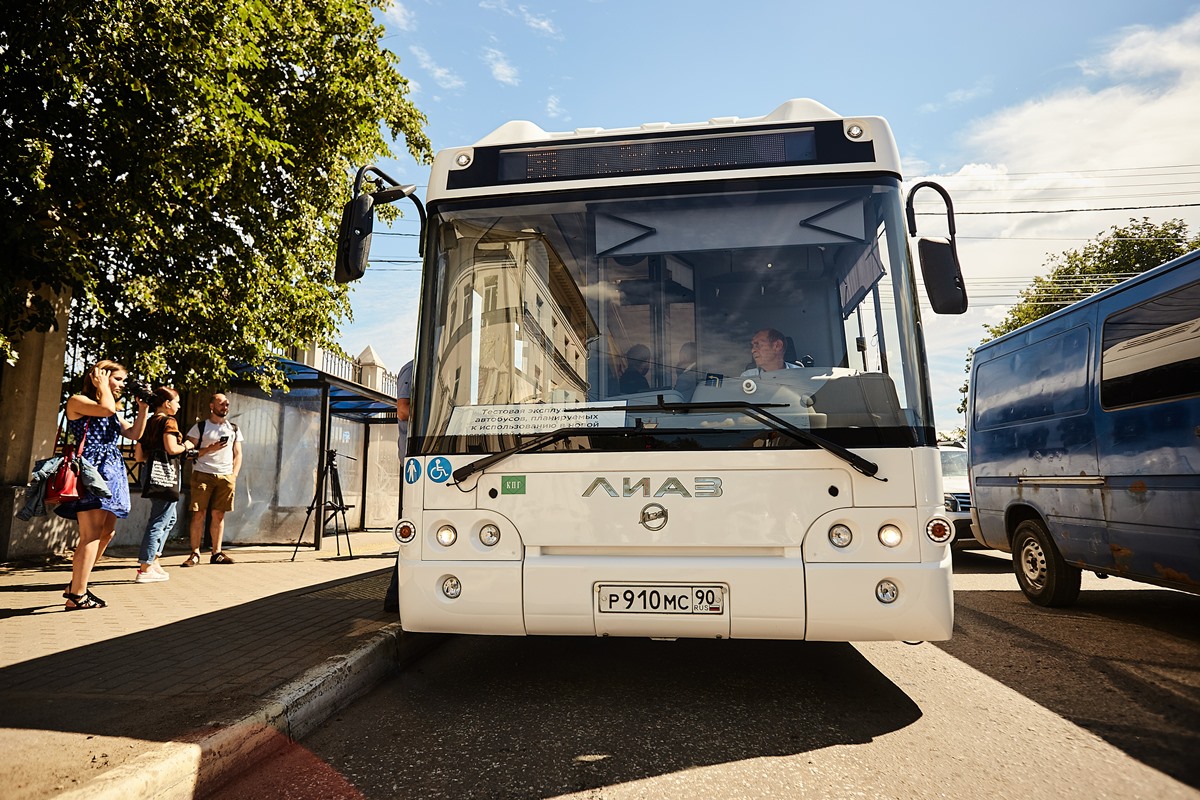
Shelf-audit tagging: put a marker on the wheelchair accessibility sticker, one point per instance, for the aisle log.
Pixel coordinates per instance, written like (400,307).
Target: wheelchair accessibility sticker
(412,470)
(439,469)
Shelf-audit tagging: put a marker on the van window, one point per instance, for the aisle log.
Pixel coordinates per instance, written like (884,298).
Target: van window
(1152,351)
(1045,379)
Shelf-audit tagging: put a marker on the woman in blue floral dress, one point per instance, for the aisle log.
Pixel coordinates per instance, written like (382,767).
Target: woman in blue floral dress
(94,412)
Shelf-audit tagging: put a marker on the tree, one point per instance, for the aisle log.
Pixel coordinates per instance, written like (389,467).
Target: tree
(1112,257)
(180,167)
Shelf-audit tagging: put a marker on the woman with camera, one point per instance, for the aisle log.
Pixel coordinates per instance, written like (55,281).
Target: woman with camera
(162,432)
(93,420)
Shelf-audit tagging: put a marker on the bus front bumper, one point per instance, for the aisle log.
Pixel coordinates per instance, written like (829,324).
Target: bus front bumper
(765,598)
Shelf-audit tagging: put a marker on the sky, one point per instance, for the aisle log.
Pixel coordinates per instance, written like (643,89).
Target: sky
(1055,109)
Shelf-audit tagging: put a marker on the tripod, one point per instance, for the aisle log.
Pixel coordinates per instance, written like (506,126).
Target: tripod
(336,504)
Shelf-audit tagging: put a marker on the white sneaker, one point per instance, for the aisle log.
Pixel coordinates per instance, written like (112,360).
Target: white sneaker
(151,577)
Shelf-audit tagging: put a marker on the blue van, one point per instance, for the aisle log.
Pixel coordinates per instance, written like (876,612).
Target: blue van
(1084,438)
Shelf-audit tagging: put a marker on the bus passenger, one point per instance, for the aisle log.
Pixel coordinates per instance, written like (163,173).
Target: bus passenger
(686,375)
(637,364)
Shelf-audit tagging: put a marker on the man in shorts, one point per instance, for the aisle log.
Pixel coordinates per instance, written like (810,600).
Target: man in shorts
(218,444)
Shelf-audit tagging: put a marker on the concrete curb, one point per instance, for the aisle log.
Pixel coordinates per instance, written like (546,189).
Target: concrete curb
(187,770)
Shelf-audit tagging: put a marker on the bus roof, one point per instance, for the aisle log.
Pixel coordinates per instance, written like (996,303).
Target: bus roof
(799,137)
(523,131)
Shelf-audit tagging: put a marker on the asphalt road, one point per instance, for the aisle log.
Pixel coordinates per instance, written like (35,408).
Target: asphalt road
(1101,700)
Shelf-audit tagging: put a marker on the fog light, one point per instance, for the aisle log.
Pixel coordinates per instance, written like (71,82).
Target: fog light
(404,531)
(446,535)
(840,536)
(939,530)
(489,535)
(451,587)
(890,536)
(886,591)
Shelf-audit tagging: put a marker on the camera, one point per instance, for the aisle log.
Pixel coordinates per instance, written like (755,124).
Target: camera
(140,390)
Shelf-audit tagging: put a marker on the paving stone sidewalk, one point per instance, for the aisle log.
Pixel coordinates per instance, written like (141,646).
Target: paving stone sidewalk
(84,693)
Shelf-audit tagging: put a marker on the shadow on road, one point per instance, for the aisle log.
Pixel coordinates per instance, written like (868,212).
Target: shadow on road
(541,717)
(1123,664)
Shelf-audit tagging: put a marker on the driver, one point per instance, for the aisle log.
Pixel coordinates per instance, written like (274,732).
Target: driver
(767,348)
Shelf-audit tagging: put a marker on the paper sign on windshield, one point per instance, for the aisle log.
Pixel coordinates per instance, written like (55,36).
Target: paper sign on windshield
(526,419)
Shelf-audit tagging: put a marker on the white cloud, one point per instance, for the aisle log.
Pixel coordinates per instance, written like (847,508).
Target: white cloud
(536,22)
(959,96)
(400,16)
(542,25)
(1076,148)
(442,76)
(554,109)
(501,69)
(1144,51)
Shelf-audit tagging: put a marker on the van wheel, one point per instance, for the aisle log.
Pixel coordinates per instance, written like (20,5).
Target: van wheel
(1045,578)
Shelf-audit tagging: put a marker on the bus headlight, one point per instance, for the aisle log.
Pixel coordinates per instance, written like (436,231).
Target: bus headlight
(451,587)
(886,592)
(446,535)
(489,535)
(939,530)
(404,531)
(840,536)
(890,536)
(951,503)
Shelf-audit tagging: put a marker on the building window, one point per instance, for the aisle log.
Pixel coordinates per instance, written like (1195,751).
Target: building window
(491,294)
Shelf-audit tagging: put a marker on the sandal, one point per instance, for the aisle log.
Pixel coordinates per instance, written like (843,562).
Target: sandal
(192,560)
(220,558)
(96,600)
(78,602)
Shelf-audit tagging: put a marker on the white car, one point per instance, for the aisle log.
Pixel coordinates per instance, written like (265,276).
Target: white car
(957,493)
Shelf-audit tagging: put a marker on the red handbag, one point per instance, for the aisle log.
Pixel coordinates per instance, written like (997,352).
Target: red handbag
(63,485)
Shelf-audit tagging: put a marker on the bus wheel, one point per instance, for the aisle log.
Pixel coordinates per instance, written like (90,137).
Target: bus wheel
(1045,578)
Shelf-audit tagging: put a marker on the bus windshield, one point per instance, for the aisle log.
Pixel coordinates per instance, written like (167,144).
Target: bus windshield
(587,310)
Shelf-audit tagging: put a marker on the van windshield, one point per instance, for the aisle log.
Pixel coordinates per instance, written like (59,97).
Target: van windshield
(800,299)
(954,463)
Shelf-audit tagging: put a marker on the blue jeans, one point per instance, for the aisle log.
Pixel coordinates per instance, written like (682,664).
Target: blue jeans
(162,520)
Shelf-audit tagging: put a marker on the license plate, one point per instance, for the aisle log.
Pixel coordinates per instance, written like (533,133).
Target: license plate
(624,598)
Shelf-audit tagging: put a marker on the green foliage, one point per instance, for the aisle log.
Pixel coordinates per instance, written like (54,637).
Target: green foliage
(1112,257)
(180,167)
(1077,274)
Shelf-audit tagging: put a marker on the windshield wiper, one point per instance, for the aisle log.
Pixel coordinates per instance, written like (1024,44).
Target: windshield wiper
(464,472)
(758,411)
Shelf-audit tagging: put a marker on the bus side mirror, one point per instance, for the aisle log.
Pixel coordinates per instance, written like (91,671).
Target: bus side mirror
(939,260)
(354,239)
(943,277)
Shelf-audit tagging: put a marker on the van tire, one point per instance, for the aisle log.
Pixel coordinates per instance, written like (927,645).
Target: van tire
(1045,578)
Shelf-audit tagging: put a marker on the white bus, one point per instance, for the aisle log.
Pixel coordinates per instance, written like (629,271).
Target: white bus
(595,446)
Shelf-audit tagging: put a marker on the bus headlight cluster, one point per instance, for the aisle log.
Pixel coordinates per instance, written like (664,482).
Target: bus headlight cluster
(404,531)
(890,536)
(451,587)
(446,535)
(939,530)
(840,536)
(489,535)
